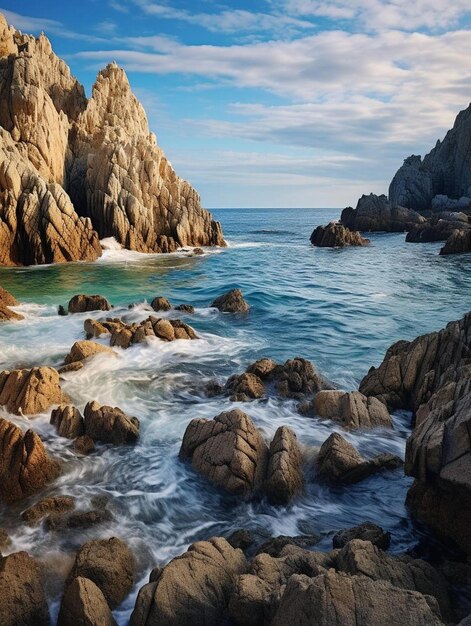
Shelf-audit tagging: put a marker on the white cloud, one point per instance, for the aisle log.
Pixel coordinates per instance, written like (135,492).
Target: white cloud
(107,27)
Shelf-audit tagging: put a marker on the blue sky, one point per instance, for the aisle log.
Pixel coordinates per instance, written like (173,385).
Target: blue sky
(276,103)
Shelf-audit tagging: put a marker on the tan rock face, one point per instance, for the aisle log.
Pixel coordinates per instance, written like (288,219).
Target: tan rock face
(25,466)
(84,349)
(62,156)
(351,409)
(31,391)
(110,425)
(285,475)
(84,603)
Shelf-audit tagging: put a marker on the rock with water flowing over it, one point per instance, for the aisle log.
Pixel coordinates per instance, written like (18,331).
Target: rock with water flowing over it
(83,603)
(82,303)
(68,421)
(110,425)
(193,588)
(458,242)
(376,213)
(23,599)
(231,302)
(336,236)
(444,172)
(48,506)
(63,155)
(123,335)
(366,532)
(351,409)
(340,462)
(228,450)
(109,564)
(32,391)
(25,466)
(85,349)
(285,477)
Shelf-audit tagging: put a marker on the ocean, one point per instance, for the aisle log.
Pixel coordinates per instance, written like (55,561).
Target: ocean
(340,308)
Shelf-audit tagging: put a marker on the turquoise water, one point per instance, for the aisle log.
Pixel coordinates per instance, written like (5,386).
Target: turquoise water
(339,308)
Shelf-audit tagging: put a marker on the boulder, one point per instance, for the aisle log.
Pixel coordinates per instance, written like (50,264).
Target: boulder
(351,409)
(161,304)
(458,242)
(244,387)
(94,329)
(193,588)
(339,461)
(337,599)
(124,335)
(109,564)
(439,228)
(23,600)
(377,213)
(82,519)
(84,604)
(263,368)
(82,303)
(7,298)
(6,314)
(336,235)
(284,475)
(231,302)
(27,392)
(68,421)
(275,546)
(366,532)
(25,466)
(48,506)
(185,308)
(5,541)
(110,425)
(84,445)
(84,349)
(298,378)
(228,450)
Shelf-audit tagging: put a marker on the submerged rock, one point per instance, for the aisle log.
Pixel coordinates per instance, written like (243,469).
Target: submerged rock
(110,425)
(84,604)
(32,391)
(109,564)
(48,506)
(193,588)
(231,302)
(25,466)
(336,236)
(23,600)
(377,213)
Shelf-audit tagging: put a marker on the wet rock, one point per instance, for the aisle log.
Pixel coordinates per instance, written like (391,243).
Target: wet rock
(193,588)
(275,546)
(336,236)
(25,466)
(231,302)
(23,601)
(68,421)
(84,445)
(337,599)
(82,303)
(94,329)
(110,425)
(84,604)
(161,304)
(241,539)
(244,387)
(109,564)
(185,308)
(458,242)
(198,251)
(299,378)
(263,368)
(82,350)
(84,519)
(30,391)
(438,228)
(366,532)
(284,475)
(61,311)
(376,213)
(7,299)
(71,367)
(339,462)
(6,314)
(213,389)
(58,505)
(228,450)
(352,409)
(124,335)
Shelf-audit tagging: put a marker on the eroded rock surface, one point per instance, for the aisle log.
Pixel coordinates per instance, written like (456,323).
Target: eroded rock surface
(82,303)
(284,475)
(68,421)
(351,409)
(336,236)
(376,213)
(458,242)
(110,424)
(231,302)
(84,603)
(30,391)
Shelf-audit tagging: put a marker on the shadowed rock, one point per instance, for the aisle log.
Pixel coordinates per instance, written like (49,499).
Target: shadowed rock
(376,213)
(110,424)
(366,532)
(457,243)
(231,302)
(83,603)
(284,475)
(48,506)
(68,421)
(336,236)
(82,303)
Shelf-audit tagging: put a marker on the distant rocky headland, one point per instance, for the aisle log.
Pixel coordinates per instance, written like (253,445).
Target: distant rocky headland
(75,170)
(429,198)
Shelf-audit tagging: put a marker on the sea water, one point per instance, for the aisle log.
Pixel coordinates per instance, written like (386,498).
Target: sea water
(340,308)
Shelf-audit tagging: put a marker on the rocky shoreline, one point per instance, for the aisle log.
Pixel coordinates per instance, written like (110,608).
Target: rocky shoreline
(241,578)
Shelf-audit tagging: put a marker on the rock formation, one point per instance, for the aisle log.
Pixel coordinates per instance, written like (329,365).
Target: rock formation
(6,301)
(444,171)
(84,603)
(431,376)
(366,532)
(439,228)
(458,242)
(336,236)
(284,474)
(231,302)
(31,391)
(376,213)
(82,303)
(110,424)
(73,170)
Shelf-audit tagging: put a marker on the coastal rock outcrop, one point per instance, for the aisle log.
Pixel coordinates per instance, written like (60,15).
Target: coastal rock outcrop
(84,603)
(82,303)
(350,408)
(74,170)
(6,301)
(231,302)
(110,425)
(68,421)
(366,532)
(25,466)
(85,349)
(336,236)
(284,474)
(439,228)
(32,391)
(458,242)
(377,213)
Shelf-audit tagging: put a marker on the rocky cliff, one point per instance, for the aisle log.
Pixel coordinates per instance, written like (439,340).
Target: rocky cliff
(74,170)
(444,172)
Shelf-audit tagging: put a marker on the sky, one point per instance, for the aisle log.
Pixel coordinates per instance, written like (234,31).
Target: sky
(275,103)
